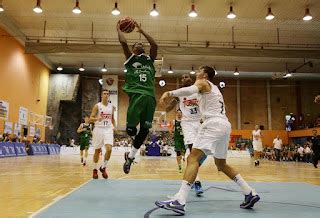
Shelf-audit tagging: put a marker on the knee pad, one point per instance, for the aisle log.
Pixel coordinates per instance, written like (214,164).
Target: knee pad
(202,160)
(178,153)
(132,131)
(139,139)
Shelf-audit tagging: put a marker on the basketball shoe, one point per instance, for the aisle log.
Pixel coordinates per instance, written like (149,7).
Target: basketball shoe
(127,163)
(198,188)
(104,172)
(249,201)
(172,205)
(95,174)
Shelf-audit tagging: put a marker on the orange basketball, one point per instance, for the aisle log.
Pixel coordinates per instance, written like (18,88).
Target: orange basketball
(126,25)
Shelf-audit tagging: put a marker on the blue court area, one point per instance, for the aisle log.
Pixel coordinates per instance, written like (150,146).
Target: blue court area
(135,198)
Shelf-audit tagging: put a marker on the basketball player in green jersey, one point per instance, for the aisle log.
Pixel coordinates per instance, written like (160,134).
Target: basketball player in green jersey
(139,85)
(85,131)
(179,146)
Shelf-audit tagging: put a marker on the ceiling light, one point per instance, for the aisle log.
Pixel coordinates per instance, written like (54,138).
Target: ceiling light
(307,15)
(125,70)
(288,75)
(104,69)
(236,72)
(192,71)
(1,6)
(170,70)
(115,11)
(193,12)
(38,8)
(154,12)
(76,9)
(270,15)
(81,68)
(231,14)
(59,68)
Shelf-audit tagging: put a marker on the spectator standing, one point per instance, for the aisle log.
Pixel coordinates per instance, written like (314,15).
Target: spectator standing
(315,140)
(277,144)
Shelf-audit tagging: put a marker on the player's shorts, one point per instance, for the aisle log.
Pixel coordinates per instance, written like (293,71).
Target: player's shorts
(102,136)
(179,145)
(84,143)
(141,110)
(213,137)
(190,130)
(257,146)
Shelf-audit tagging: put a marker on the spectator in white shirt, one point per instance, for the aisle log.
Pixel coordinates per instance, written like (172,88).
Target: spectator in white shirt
(277,144)
(307,154)
(300,152)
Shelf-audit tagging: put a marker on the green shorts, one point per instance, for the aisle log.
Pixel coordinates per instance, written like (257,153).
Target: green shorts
(179,145)
(84,143)
(141,110)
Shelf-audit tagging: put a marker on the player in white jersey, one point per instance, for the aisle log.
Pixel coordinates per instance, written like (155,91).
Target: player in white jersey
(212,139)
(102,135)
(257,144)
(190,121)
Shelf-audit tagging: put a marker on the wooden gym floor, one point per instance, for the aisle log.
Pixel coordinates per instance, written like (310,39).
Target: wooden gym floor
(29,183)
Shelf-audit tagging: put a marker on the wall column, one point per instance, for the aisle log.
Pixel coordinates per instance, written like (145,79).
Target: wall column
(269,105)
(238,105)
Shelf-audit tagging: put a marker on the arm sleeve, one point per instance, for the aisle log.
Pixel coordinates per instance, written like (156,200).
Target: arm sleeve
(186,91)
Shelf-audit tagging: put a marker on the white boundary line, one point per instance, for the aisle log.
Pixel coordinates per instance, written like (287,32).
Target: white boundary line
(56,199)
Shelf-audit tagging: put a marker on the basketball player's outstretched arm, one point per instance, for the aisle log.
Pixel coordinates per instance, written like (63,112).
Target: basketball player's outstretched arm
(172,104)
(123,42)
(153,44)
(200,86)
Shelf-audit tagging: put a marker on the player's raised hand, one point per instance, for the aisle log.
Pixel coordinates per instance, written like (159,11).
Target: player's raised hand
(139,29)
(164,99)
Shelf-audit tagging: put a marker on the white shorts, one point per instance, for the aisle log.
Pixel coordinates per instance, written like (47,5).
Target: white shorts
(190,130)
(213,137)
(257,145)
(101,137)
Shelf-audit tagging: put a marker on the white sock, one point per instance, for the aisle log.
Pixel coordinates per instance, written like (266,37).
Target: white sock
(246,189)
(133,152)
(197,179)
(95,165)
(104,164)
(183,192)
(84,158)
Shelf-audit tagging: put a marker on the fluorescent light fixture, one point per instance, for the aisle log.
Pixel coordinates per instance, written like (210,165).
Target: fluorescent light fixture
(59,68)
(270,15)
(193,12)
(236,72)
(154,12)
(115,11)
(104,69)
(307,15)
(192,71)
(231,14)
(38,8)
(81,68)
(77,9)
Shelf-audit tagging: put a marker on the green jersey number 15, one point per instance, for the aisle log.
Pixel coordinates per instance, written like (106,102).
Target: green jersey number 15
(143,77)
